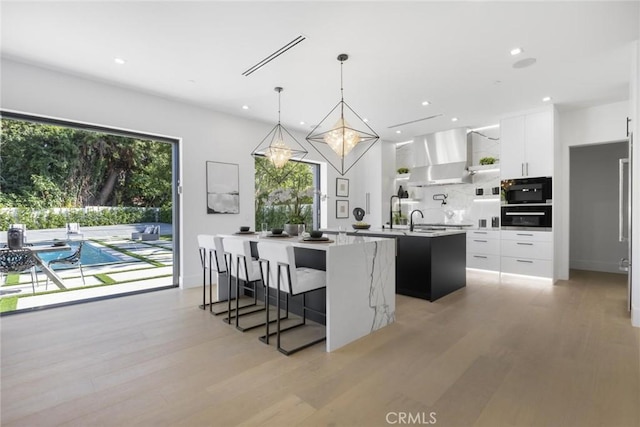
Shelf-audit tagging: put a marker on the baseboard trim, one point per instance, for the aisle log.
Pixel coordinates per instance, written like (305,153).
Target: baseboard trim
(605,267)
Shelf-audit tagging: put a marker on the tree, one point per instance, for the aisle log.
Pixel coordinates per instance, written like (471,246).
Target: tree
(297,179)
(51,166)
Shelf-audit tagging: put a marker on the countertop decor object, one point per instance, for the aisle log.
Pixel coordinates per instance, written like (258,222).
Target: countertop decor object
(275,148)
(349,138)
(361,226)
(315,234)
(278,235)
(317,239)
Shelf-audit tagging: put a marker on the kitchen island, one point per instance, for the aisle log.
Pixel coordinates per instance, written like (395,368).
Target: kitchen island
(429,263)
(361,286)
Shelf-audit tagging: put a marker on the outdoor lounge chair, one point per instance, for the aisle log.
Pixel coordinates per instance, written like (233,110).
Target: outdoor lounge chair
(73,259)
(152,232)
(73,230)
(17,261)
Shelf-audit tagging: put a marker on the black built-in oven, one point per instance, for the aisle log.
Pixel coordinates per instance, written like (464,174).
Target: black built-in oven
(526,217)
(527,190)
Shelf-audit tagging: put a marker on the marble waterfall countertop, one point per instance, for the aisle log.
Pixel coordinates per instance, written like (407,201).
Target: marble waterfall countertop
(361,282)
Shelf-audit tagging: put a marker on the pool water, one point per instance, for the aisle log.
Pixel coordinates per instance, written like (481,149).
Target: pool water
(91,255)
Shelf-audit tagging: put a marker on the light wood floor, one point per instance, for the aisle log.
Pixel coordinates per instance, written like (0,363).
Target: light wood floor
(494,354)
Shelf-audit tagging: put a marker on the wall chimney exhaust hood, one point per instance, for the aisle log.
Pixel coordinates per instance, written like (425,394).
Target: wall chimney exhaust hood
(441,158)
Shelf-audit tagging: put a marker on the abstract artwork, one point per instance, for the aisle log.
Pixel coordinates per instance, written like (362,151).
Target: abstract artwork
(223,183)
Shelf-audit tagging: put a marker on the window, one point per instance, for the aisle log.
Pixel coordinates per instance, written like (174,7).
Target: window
(290,195)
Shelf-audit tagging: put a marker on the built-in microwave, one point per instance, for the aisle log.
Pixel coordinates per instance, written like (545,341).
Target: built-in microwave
(527,190)
(526,217)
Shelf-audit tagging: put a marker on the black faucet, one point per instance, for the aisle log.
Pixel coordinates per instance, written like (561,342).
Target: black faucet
(391,209)
(411,217)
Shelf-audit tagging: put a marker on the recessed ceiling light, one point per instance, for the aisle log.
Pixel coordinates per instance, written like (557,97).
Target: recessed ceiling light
(524,63)
(302,123)
(119,61)
(454,119)
(516,51)
(245,107)
(546,99)
(425,103)
(398,131)
(365,120)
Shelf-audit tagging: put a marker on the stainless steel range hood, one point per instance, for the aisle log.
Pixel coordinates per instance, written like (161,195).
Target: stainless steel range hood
(441,158)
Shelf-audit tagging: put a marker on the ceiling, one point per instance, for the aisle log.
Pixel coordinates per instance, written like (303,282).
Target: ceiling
(456,55)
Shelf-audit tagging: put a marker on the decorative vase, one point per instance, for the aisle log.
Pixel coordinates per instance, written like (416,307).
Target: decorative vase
(294,229)
(400,192)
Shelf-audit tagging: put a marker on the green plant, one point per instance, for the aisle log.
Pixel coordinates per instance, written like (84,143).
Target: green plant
(403,170)
(295,202)
(399,218)
(487,160)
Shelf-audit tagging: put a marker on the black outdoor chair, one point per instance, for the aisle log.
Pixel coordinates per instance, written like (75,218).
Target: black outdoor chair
(73,259)
(18,261)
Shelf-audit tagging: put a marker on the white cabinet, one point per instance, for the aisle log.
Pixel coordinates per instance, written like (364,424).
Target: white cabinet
(527,252)
(483,249)
(526,145)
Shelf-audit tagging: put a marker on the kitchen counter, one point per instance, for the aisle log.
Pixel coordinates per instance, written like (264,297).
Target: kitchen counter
(405,232)
(429,263)
(360,293)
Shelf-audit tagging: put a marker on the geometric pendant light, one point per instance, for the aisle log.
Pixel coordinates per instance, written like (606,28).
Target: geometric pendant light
(349,137)
(279,146)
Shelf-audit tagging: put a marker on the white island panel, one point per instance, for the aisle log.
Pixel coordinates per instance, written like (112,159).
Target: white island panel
(361,287)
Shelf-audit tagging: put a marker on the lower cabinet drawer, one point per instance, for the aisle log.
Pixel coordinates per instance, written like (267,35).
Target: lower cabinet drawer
(535,250)
(483,246)
(527,266)
(484,262)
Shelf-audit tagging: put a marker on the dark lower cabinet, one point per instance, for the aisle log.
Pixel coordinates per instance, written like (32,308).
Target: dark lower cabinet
(431,267)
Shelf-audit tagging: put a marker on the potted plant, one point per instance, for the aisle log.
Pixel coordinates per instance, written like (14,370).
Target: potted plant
(403,170)
(488,160)
(296,204)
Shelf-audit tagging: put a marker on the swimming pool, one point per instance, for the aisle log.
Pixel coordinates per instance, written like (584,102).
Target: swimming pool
(91,255)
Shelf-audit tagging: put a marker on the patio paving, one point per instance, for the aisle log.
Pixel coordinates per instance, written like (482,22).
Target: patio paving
(138,274)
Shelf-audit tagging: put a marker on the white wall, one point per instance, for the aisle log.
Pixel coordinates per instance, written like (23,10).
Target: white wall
(205,135)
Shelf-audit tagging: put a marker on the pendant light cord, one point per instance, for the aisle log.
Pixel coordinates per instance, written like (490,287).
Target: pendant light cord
(279,93)
(341,84)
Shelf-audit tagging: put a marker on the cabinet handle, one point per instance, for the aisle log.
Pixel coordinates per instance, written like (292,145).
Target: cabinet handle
(524,260)
(524,234)
(527,168)
(480,241)
(628,121)
(522,169)
(480,256)
(479,232)
(524,244)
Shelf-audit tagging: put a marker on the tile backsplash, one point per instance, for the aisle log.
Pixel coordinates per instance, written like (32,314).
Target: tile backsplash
(463,204)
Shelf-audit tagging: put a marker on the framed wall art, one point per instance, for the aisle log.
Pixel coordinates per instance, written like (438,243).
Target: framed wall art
(342,187)
(342,209)
(223,188)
